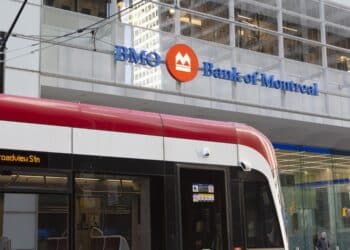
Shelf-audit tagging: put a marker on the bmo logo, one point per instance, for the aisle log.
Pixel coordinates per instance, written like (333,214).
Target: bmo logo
(182,63)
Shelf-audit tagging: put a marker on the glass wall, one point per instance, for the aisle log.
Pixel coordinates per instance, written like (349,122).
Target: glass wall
(249,24)
(34,210)
(204,28)
(316,188)
(108,212)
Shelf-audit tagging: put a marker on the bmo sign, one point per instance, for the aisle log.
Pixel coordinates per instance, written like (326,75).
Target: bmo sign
(181,61)
(143,57)
(182,64)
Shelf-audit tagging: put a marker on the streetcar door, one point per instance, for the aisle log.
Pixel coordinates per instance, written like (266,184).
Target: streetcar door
(203,205)
(34,211)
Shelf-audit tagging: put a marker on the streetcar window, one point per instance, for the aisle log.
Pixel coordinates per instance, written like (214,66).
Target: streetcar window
(115,212)
(203,209)
(262,227)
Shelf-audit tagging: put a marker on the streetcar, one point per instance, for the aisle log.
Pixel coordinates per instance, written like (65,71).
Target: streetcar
(87,177)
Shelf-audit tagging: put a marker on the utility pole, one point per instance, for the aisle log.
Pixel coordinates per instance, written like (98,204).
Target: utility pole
(3,40)
(2,63)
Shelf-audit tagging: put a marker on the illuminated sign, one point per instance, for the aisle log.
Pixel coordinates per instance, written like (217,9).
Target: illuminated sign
(20,158)
(182,64)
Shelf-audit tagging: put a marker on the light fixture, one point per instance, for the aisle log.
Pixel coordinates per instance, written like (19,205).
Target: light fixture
(86,179)
(120,4)
(196,21)
(171,11)
(185,19)
(290,29)
(245,17)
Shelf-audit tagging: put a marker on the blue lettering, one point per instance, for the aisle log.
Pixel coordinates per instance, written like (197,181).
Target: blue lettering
(247,78)
(267,81)
(302,88)
(315,89)
(121,53)
(254,78)
(207,69)
(277,84)
(216,73)
(235,75)
(227,75)
(134,57)
(153,59)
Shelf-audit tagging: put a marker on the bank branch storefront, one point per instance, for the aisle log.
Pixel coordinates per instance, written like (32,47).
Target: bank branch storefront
(281,66)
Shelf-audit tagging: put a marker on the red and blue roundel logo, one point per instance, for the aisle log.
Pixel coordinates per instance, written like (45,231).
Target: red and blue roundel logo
(182,63)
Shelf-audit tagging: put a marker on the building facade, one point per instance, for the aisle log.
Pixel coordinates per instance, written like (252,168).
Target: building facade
(297,50)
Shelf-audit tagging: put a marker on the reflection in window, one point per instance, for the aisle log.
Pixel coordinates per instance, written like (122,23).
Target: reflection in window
(204,28)
(269,2)
(303,52)
(53,222)
(337,15)
(342,198)
(338,37)
(306,7)
(34,221)
(150,16)
(203,209)
(306,179)
(14,179)
(256,40)
(62,4)
(93,7)
(255,15)
(89,7)
(114,212)
(301,27)
(261,220)
(338,59)
(216,8)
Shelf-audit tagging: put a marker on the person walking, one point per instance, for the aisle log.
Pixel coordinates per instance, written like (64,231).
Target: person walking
(322,242)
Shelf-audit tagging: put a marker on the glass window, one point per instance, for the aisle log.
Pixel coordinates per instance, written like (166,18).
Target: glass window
(306,178)
(337,15)
(28,181)
(303,52)
(305,7)
(62,4)
(289,164)
(203,201)
(216,8)
(338,59)
(262,226)
(342,199)
(255,15)
(301,27)
(256,40)
(269,2)
(316,187)
(204,28)
(150,16)
(93,7)
(34,221)
(339,37)
(115,212)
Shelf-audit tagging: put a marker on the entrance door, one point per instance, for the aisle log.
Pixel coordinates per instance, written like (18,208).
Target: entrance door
(29,218)
(203,202)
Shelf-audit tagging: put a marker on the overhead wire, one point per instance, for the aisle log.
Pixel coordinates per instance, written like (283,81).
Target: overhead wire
(88,28)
